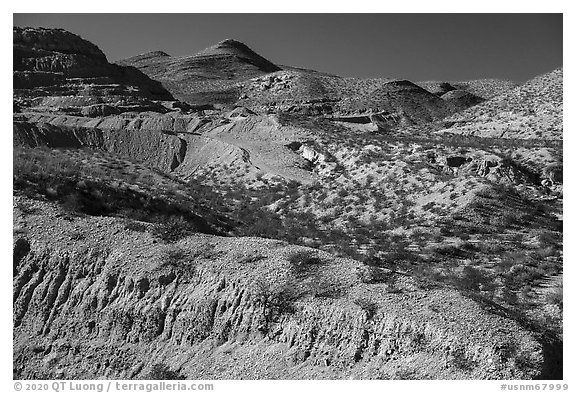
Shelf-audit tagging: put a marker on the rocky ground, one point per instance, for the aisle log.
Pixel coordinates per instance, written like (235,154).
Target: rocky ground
(532,110)
(281,223)
(93,297)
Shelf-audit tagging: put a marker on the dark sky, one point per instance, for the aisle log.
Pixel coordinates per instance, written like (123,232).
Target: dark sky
(411,46)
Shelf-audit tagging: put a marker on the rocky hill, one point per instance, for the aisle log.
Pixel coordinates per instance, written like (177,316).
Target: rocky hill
(483,88)
(55,70)
(532,110)
(282,223)
(206,77)
(231,73)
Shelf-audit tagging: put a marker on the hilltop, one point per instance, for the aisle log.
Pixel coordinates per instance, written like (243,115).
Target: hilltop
(212,71)
(231,73)
(56,69)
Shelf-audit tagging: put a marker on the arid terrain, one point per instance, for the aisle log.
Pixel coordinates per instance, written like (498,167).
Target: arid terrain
(219,216)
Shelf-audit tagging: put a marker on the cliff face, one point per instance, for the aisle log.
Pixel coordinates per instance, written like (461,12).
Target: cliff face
(58,64)
(93,299)
(56,50)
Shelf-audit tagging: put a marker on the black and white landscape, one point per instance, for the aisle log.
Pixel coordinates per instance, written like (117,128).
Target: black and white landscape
(216,215)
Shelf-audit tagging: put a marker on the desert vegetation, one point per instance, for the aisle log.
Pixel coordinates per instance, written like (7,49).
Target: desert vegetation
(275,190)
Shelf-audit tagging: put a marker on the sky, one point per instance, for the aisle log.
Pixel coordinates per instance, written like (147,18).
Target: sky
(417,47)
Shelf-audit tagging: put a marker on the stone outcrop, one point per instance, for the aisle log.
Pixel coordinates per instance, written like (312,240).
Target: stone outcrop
(57,51)
(492,167)
(57,71)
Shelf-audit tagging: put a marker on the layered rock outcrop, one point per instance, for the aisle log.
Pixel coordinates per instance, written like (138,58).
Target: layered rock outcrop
(57,71)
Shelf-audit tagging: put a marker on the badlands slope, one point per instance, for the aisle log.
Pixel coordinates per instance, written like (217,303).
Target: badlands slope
(218,216)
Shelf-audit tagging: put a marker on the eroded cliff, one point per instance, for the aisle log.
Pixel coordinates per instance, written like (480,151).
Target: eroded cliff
(94,299)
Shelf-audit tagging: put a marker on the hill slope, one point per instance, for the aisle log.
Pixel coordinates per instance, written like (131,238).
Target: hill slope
(230,73)
(319,229)
(214,70)
(532,110)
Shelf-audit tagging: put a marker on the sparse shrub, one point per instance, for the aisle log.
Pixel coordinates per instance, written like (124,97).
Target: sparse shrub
(181,260)
(133,225)
(173,228)
(26,207)
(276,301)
(405,373)
(77,235)
(556,297)
(374,275)
(458,359)
(370,307)
(72,203)
(178,257)
(450,250)
(251,258)
(322,287)
(549,238)
(302,262)
(509,296)
(471,279)
(160,371)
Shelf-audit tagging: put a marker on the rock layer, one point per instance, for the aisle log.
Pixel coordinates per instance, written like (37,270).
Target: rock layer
(55,70)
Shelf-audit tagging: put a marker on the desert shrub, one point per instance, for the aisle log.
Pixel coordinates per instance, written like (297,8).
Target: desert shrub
(82,190)
(405,373)
(73,203)
(522,275)
(136,226)
(302,262)
(177,256)
(184,259)
(259,222)
(160,371)
(370,307)
(555,297)
(374,275)
(26,207)
(171,228)
(251,258)
(324,288)
(472,279)
(77,235)
(509,296)
(548,238)
(276,301)
(458,359)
